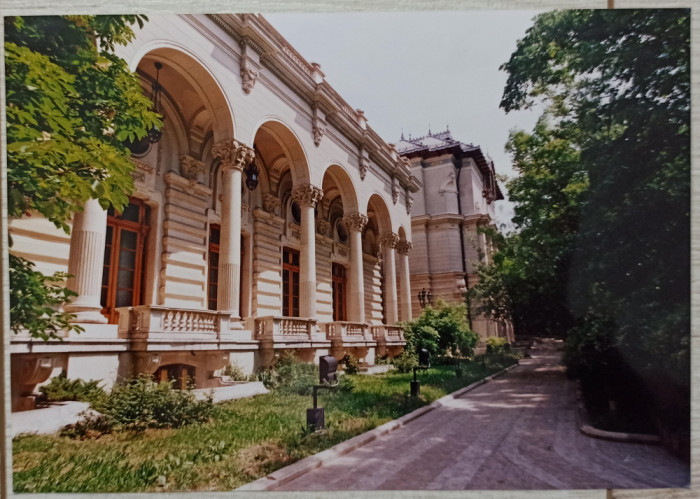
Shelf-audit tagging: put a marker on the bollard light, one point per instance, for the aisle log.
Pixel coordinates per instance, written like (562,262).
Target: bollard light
(328,377)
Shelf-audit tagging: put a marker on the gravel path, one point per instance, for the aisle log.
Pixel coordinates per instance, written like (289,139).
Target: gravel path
(517,432)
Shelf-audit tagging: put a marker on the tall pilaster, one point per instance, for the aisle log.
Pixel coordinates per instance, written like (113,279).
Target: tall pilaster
(234,157)
(388,242)
(85,261)
(403,248)
(306,197)
(355,223)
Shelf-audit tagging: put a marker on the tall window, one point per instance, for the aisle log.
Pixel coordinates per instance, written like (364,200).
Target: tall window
(290,283)
(339,292)
(125,256)
(213,284)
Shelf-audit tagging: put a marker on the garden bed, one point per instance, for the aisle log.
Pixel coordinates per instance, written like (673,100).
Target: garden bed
(244,440)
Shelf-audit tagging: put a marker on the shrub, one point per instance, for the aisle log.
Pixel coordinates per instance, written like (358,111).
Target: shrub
(140,403)
(93,425)
(61,388)
(351,364)
(290,375)
(235,372)
(497,345)
(441,329)
(405,362)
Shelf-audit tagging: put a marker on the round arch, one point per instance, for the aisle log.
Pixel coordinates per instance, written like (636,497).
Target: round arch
(197,74)
(377,209)
(272,136)
(343,182)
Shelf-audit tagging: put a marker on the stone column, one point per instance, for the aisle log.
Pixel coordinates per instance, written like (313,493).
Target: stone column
(483,248)
(355,223)
(306,197)
(403,248)
(86,258)
(388,242)
(234,157)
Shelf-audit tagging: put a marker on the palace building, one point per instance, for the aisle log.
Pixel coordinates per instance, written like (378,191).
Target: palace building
(267,216)
(458,196)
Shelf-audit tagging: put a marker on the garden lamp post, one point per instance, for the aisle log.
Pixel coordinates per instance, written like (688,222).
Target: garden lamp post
(425,298)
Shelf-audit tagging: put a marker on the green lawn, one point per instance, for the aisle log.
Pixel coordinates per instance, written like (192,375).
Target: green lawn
(246,439)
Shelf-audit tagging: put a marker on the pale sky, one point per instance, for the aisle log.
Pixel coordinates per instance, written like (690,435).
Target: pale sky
(413,70)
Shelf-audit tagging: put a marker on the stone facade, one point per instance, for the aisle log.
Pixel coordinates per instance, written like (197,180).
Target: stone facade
(458,196)
(266,218)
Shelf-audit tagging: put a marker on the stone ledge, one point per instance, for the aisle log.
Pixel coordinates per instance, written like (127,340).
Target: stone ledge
(295,470)
(616,436)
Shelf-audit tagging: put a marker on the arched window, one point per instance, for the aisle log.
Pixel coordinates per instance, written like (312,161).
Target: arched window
(125,258)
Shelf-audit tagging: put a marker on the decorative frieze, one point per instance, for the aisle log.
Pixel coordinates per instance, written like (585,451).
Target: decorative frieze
(233,154)
(307,195)
(191,168)
(271,204)
(318,127)
(323,227)
(364,167)
(355,221)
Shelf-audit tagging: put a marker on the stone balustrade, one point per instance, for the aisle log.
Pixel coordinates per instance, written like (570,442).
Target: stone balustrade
(284,329)
(388,334)
(151,321)
(347,331)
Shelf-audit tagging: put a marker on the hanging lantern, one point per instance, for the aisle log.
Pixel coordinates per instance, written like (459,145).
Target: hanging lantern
(251,176)
(155,134)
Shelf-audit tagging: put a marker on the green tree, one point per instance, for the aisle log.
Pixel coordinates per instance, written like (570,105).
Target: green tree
(71,105)
(616,84)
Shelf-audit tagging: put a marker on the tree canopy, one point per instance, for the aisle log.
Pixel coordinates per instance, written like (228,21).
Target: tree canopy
(71,105)
(602,200)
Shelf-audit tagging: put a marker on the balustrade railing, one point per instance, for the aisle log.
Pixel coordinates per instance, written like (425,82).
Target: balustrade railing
(150,320)
(284,328)
(385,333)
(349,331)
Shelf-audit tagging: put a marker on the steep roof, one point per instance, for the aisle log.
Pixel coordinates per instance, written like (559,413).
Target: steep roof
(435,144)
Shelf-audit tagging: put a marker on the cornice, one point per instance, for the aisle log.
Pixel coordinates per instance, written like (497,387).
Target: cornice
(307,81)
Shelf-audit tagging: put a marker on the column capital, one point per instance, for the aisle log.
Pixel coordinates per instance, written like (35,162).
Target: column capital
(404,247)
(355,221)
(233,154)
(307,195)
(389,240)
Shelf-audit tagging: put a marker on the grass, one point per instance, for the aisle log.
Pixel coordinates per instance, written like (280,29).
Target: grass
(245,439)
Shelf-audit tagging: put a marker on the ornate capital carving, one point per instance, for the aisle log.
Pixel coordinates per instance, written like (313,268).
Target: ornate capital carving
(233,154)
(307,195)
(190,168)
(355,221)
(389,240)
(271,203)
(404,247)
(364,167)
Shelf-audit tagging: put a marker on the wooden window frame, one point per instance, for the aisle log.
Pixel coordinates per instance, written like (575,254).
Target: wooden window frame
(339,282)
(141,228)
(288,295)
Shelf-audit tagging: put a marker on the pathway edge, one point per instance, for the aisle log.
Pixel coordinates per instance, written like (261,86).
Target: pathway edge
(295,470)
